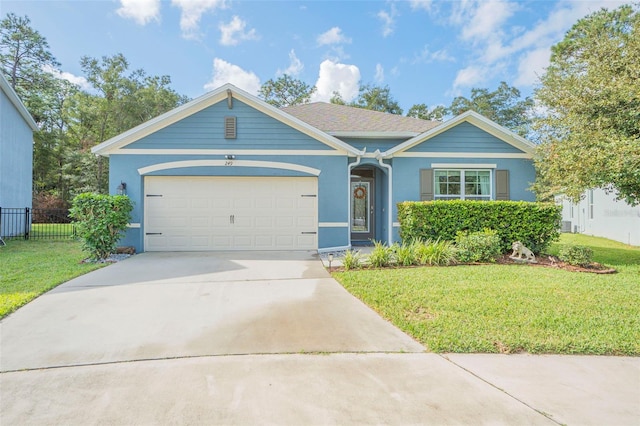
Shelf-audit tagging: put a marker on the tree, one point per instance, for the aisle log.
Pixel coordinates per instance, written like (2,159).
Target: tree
(286,91)
(119,101)
(24,59)
(376,98)
(423,112)
(590,131)
(503,106)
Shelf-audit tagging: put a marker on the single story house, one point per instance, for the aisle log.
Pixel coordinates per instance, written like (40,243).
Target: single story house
(228,171)
(599,214)
(16,157)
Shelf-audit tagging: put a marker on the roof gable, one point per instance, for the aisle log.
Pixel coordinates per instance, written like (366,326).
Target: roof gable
(475,119)
(225,93)
(17,103)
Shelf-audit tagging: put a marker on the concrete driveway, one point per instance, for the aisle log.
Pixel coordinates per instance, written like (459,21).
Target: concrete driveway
(171,305)
(269,338)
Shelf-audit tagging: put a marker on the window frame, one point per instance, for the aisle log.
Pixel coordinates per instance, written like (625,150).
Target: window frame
(463,182)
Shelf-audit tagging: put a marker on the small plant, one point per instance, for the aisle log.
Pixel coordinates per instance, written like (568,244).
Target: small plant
(381,255)
(436,253)
(100,221)
(483,246)
(576,255)
(351,260)
(406,254)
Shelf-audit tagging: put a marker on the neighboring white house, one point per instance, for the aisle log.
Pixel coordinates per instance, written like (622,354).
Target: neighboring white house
(599,214)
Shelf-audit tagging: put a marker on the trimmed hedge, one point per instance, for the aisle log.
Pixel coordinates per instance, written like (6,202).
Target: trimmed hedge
(536,225)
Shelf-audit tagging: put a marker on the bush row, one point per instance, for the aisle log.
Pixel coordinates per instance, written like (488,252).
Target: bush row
(536,225)
(481,246)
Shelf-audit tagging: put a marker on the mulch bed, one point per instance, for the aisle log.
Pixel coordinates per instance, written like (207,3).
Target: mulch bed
(554,262)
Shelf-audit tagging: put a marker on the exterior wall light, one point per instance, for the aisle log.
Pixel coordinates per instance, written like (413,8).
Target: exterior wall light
(230,157)
(122,188)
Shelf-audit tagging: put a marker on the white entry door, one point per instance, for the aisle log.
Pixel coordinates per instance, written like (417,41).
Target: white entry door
(230,213)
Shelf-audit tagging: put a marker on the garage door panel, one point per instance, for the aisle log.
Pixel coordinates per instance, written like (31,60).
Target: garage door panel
(226,213)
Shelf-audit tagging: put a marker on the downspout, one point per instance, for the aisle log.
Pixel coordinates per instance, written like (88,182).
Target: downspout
(379,157)
(349,168)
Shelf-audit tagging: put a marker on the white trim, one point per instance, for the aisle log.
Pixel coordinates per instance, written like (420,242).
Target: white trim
(218,95)
(307,152)
(463,166)
(333,249)
(133,225)
(228,163)
(333,224)
(17,103)
(396,224)
(477,120)
(390,195)
(374,135)
(462,155)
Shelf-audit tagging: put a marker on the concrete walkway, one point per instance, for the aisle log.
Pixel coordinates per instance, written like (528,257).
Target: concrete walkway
(269,338)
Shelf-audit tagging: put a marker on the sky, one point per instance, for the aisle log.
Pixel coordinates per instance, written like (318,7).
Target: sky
(425,51)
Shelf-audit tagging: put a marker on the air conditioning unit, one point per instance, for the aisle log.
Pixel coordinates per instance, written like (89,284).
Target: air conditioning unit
(566,226)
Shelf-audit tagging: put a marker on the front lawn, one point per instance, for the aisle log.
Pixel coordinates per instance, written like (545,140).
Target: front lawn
(513,308)
(30,268)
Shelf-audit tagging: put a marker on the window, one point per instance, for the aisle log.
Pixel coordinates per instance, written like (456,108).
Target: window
(462,184)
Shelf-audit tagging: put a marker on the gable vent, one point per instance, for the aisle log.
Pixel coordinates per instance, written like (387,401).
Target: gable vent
(230,127)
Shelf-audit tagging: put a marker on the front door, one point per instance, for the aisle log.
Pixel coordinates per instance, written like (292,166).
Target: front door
(362,209)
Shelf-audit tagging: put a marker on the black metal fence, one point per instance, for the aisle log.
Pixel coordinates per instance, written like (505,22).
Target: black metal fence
(26,223)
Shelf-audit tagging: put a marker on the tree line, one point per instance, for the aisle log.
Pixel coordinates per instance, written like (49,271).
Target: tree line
(584,116)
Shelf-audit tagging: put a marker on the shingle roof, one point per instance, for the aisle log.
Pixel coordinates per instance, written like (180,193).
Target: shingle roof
(333,118)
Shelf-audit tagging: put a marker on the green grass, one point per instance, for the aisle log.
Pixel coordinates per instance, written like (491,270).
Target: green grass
(513,308)
(30,268)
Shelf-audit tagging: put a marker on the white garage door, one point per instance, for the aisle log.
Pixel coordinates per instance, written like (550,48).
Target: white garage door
(230,213)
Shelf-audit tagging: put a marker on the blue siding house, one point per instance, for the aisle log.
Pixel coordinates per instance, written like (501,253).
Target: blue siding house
(228,171)
(16,153)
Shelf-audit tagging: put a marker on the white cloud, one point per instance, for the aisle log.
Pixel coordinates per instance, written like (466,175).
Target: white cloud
(234,32)
(388,20)
(469,76)
(485,18)
(63,75)
(141,11)
(295,65)
(422,4)
(427,56)
(333,36)
(532,66)
(498,42)
(225,72)
(379,77)
(337,77)
(192,11)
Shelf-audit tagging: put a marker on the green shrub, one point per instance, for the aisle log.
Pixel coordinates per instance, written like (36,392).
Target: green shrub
(435,253)
(406,254)
(100,221)
(576,255)
(483,246)
(536,225)
(351,260)
(381,255)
